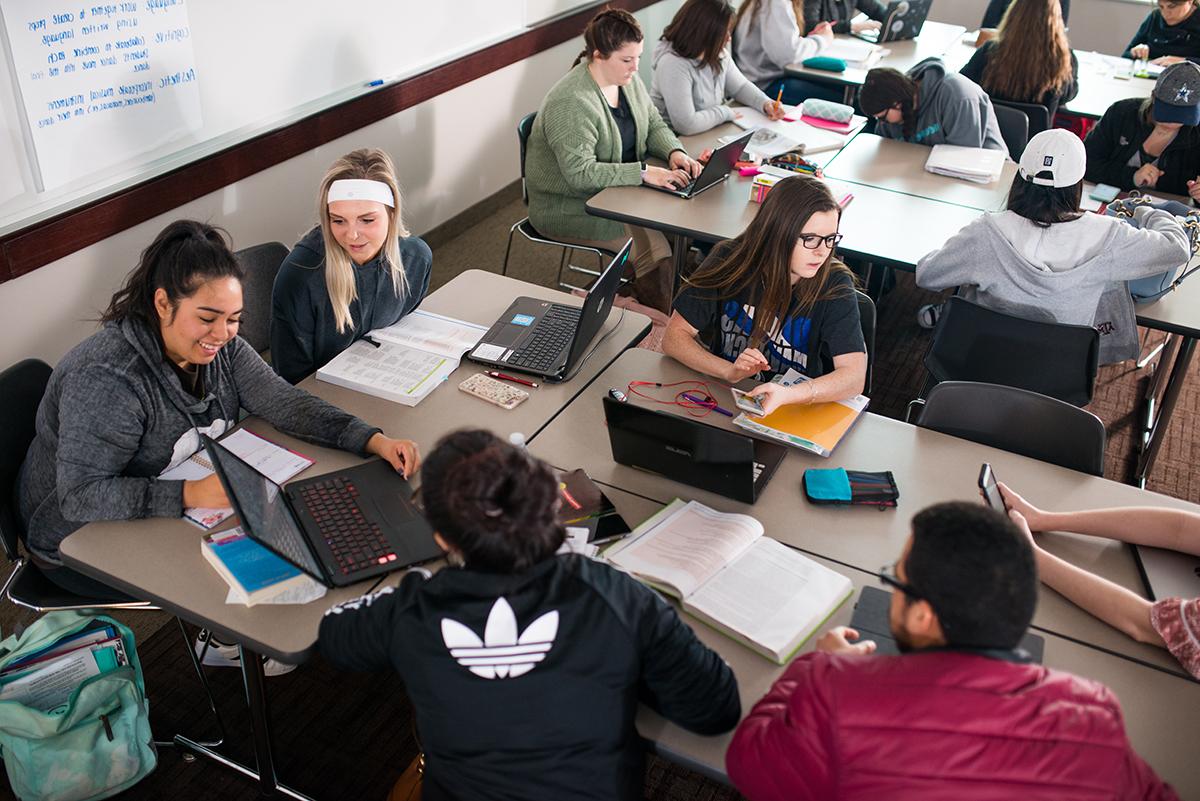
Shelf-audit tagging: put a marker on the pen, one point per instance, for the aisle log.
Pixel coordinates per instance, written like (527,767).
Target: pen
(844,202)
(373,342)
(512,378)
(778,97)
(570,499)
(696,399)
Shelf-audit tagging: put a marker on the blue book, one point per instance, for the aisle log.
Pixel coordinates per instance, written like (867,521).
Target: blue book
(254,572)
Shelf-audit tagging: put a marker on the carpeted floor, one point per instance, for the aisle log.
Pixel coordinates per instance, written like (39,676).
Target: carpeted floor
(340,736)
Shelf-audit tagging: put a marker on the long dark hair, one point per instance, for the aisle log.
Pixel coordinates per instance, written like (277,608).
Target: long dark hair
(183,257)
(1045,205)
(1032,55)
(760,259)
(699,30)
(607,32)
(492,501)
(884,88)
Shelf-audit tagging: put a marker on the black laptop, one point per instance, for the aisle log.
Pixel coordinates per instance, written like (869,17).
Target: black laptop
(902,20)
(691,452)
(717,169)
(339,528)
(548,339)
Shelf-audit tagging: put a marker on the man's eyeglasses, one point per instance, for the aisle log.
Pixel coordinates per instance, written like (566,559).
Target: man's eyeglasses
(887,576)
(813,241)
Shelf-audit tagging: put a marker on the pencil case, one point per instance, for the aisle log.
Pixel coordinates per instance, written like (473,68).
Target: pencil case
(840,487)
(824,63)
(828,110)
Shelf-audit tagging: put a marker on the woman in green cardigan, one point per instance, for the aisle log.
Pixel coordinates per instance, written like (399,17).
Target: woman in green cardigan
(594,130)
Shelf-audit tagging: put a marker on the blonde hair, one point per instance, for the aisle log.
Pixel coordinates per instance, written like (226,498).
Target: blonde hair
(371,164)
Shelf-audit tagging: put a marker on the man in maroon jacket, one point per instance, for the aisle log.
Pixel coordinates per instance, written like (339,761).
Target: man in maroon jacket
(961,714)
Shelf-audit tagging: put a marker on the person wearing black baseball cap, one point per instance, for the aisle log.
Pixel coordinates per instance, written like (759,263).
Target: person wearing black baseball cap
(1152,143)
(1045,259)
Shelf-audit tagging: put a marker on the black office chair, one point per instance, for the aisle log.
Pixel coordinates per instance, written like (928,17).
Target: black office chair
(1019,421)
(526,229)
(974,343)
(21,388)
(866,316)
(261,263)
(1036,115)
(1014,128)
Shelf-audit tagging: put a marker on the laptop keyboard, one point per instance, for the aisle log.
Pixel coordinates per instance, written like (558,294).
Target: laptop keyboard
(356,542)
(551,335)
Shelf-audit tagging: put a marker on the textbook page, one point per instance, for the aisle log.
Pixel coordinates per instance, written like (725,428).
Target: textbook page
(394,372)
(772,598)
(50,685)
(687,547)
(435,333)
(774,137)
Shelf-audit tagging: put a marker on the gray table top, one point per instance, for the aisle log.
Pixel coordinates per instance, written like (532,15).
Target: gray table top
(167,567)
(929,467)
(899,167)
(935,39)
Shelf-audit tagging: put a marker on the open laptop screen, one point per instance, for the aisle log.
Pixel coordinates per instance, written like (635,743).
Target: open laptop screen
(260,506)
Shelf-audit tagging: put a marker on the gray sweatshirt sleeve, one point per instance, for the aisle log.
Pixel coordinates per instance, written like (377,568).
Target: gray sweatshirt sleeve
(739,87)
(674,77)
(96,442)
(1156,244)
(953,264)
(963,123)
(291,409)
(781,37)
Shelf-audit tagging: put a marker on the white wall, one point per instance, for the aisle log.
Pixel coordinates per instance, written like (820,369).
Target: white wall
(1101,25)
(451,152)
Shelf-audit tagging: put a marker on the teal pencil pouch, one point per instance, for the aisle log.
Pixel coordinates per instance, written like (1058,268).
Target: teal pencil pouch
(851,487)
(824,63)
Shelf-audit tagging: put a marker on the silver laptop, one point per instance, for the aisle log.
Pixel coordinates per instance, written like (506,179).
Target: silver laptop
(1168,574)
(903,20)
(717,169)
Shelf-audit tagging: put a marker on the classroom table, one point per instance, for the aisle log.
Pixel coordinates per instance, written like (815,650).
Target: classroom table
(929,467)
(171,572)
(878,226)
(871,160)
(934,40)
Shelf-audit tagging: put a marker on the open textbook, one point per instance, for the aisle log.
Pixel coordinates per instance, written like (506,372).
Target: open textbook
(406,361)
(775,137)
(725,572)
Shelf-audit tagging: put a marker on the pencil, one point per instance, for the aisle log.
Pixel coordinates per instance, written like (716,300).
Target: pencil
(778,97)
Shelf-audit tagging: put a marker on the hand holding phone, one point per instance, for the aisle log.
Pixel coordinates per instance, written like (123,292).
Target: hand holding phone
(989,490)
(750,404)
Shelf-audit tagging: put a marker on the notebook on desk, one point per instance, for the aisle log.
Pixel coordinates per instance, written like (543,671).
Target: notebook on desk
(339,528)
(549,339)
(902,20)
(1167,573)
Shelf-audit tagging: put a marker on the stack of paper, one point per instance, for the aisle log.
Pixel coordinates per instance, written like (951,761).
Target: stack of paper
(406,361)
(975,164)
(44,680)
(854,52)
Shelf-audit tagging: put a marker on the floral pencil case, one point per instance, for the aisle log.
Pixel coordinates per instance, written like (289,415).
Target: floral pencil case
(851,487)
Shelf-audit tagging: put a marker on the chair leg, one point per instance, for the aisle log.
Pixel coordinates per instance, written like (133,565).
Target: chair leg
(507,248)
(212,703)
(1149,357)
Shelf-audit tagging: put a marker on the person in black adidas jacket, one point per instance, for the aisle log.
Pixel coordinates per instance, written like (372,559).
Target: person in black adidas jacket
(525,668)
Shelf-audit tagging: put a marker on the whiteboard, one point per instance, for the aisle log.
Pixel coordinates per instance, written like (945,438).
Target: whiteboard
(220,72)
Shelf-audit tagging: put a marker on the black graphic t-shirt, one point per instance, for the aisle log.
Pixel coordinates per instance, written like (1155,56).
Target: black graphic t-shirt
(806,343)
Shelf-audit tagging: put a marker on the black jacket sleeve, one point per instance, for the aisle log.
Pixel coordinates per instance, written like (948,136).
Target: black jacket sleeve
(1141,37)
(293,325)
(1105,163)
(1072,88)
(359,634)
(682,679)
(974,68)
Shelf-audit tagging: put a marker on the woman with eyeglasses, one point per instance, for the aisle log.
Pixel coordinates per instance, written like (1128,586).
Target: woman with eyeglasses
(774,301)
(1169,34)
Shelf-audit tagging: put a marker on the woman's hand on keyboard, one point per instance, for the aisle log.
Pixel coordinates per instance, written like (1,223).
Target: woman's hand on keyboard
(668,179)
(401,454)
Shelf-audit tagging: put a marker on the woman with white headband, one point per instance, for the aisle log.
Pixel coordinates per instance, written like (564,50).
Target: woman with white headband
(356,271)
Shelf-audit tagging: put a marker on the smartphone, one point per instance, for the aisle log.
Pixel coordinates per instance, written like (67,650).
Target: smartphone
(751,404)
(989,490)
(1104,193)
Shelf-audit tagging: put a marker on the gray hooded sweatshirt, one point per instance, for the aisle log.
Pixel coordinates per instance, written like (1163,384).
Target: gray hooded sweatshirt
(951,110)
(690,95)
(768,38)
(115,416)
(1072,272)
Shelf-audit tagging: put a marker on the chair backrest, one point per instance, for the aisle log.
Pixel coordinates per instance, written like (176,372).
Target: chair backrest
(973,343)
(261,263)
(866,316)
(21,388)
(1019,421)
(524,128)
(1037,116)
(1014,128)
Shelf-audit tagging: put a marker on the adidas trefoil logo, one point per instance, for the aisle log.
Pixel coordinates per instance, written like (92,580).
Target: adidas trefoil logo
(501,654)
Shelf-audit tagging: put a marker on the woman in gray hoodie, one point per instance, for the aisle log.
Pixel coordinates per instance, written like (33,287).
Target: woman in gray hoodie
(694,72)
(1044,259)
(131,401)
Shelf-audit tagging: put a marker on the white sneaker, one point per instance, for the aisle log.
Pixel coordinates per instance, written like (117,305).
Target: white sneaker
(927,315)
(219,654)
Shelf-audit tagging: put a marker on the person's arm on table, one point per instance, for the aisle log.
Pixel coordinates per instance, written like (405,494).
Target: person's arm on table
(680,343)
(847,379)
(1137,47)
(955,263)
(1104,164)
(357,634)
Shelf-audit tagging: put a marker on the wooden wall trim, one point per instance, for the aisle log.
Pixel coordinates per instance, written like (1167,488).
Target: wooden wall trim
(26,249)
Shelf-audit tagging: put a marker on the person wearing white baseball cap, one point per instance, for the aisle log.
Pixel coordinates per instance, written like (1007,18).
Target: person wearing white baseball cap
(357,270)
(1151,143)
(1045,259)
